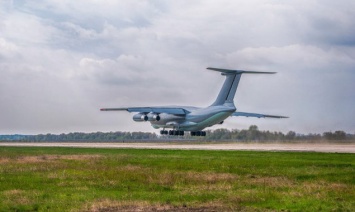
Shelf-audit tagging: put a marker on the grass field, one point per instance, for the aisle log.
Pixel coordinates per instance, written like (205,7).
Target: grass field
(77,179)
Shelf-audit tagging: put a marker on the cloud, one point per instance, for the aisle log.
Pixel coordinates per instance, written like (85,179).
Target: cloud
(60,61)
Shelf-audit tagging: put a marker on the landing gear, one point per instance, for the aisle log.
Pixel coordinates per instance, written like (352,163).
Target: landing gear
(181,133)
(198,133)
(171,132)
(176,132)
(163,132)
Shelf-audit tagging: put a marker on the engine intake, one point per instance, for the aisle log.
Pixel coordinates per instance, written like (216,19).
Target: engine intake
(153,117)
(140,117)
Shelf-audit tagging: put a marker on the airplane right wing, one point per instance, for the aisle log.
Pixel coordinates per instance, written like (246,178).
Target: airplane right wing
(168,110)
(256,115)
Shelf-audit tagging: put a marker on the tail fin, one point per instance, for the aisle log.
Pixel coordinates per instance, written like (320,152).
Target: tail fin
(227,93)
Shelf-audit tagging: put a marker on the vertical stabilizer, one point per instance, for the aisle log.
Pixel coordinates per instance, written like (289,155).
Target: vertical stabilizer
(230,85)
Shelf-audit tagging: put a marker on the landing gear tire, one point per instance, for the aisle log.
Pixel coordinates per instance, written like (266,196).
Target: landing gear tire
(163,132)
(173,132)
(198,133)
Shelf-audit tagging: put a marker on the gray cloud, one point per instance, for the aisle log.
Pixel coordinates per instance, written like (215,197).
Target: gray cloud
(60,61)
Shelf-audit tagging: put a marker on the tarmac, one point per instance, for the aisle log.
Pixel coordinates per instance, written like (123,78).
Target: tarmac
(299,147)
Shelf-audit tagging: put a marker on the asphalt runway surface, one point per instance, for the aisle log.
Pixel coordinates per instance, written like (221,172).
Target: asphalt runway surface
(301,147)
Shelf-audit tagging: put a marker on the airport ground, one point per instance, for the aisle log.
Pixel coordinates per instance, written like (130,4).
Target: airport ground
(76,177)
(304,147)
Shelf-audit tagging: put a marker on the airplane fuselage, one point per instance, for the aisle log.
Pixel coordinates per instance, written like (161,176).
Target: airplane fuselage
(196,120)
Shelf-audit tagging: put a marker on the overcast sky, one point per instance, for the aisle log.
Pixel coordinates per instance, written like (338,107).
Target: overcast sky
(63,60)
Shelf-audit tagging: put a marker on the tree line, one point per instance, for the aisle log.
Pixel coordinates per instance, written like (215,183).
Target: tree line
(254,134)
(251,134)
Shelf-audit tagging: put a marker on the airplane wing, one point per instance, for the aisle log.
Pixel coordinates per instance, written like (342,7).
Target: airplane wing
(256,115)
(169,110)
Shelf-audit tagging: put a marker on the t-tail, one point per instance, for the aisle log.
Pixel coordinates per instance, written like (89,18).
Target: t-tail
(230,85)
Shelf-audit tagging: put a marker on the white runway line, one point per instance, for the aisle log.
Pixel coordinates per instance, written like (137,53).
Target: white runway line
(304,147)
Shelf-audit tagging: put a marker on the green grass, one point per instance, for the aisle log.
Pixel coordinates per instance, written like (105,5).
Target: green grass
(78,179)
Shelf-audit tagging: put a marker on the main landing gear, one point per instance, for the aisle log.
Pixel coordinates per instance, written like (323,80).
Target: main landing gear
(198,133)
(171,132)
(179,132)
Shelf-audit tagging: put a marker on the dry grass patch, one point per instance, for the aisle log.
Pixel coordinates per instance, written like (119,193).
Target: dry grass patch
(207,177)
(107,205)
(190,177)
(47,158)
(132,168)
(274,182)
(201,189)
(16,196)
(13,192)
(339,187)
(320,188)
(4,160)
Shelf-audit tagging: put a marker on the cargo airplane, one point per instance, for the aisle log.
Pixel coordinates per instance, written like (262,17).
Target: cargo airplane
(194,119)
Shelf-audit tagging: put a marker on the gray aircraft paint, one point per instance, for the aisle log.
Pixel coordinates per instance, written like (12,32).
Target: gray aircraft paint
(187,118)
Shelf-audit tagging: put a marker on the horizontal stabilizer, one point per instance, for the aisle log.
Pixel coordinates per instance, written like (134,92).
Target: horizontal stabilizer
(228,71)
(257,115)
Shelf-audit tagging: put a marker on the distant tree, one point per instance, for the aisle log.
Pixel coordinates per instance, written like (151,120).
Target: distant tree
(220,134)
(242,135)
(337,135)
(291,135)
(340,135)
(253,133)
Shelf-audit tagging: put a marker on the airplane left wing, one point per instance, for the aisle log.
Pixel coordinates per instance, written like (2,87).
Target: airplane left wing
(256,115)
(169,110)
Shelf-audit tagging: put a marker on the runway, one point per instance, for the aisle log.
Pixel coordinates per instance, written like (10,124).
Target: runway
(303,147)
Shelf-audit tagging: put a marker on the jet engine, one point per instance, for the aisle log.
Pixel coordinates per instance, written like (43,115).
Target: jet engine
(139,117)
(153,117)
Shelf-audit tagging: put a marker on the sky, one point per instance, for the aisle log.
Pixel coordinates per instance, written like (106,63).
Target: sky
(63,60)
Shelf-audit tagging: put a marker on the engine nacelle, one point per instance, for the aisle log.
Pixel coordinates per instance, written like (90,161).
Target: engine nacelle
(153,117)
(140,117)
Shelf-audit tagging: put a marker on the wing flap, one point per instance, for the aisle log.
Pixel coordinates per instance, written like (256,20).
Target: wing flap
(258,115)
